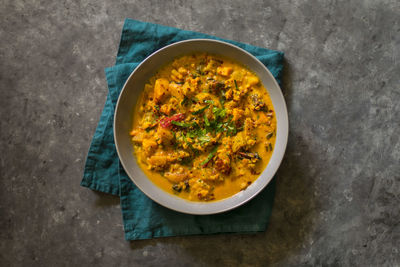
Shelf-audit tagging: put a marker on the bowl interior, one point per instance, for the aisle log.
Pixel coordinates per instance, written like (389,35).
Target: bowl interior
(124,116)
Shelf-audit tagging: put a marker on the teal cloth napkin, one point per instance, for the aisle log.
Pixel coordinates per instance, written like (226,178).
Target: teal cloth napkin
(142,217)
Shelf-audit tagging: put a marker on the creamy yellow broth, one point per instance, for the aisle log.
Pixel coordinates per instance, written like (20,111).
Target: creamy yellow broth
(204,127)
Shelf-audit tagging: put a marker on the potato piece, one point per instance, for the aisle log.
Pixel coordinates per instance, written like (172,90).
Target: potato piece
(158,161)
(176,173)
(177,74)
(149,144)
(175,90)
(161,89)
(182,70)
(251,80)
(239,141)
(164,135)
(237,75)
(224,71)
(186,89)
(135,132)
(137,136)
(176,177)
(204,96)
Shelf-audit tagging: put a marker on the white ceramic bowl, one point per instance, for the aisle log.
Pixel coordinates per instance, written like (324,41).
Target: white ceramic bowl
(124,115)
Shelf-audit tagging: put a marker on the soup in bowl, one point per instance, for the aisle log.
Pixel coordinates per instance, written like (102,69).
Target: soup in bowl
(201,126)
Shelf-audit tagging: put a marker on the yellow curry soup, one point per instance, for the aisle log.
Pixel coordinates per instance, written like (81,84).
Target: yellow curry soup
(204,127)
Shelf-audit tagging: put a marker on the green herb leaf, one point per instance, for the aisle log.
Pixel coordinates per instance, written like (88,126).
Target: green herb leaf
(191,134)
(200,110)
(210,156)
(204,139)
(182,124)
(150,128)
(236,85)
(185,101)
(219,128)
(231,131)
(219,112)
(206,121)
(269,135)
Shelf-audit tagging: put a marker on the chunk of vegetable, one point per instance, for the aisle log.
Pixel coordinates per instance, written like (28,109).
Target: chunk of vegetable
(224,71)
(161,89)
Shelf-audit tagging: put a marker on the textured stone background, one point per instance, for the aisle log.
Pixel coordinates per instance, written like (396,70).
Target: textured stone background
(338,192)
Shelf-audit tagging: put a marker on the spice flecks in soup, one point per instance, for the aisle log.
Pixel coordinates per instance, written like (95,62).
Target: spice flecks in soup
(204,127)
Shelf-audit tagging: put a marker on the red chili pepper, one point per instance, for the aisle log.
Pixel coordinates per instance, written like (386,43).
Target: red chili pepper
(166,122)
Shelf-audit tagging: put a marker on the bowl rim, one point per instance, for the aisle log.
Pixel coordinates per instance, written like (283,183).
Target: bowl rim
(285,134)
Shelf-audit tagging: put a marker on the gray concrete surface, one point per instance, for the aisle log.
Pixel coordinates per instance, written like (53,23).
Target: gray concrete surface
(338,192)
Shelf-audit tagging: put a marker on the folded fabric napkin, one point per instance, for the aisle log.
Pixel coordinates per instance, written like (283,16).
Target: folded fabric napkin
(142,217)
